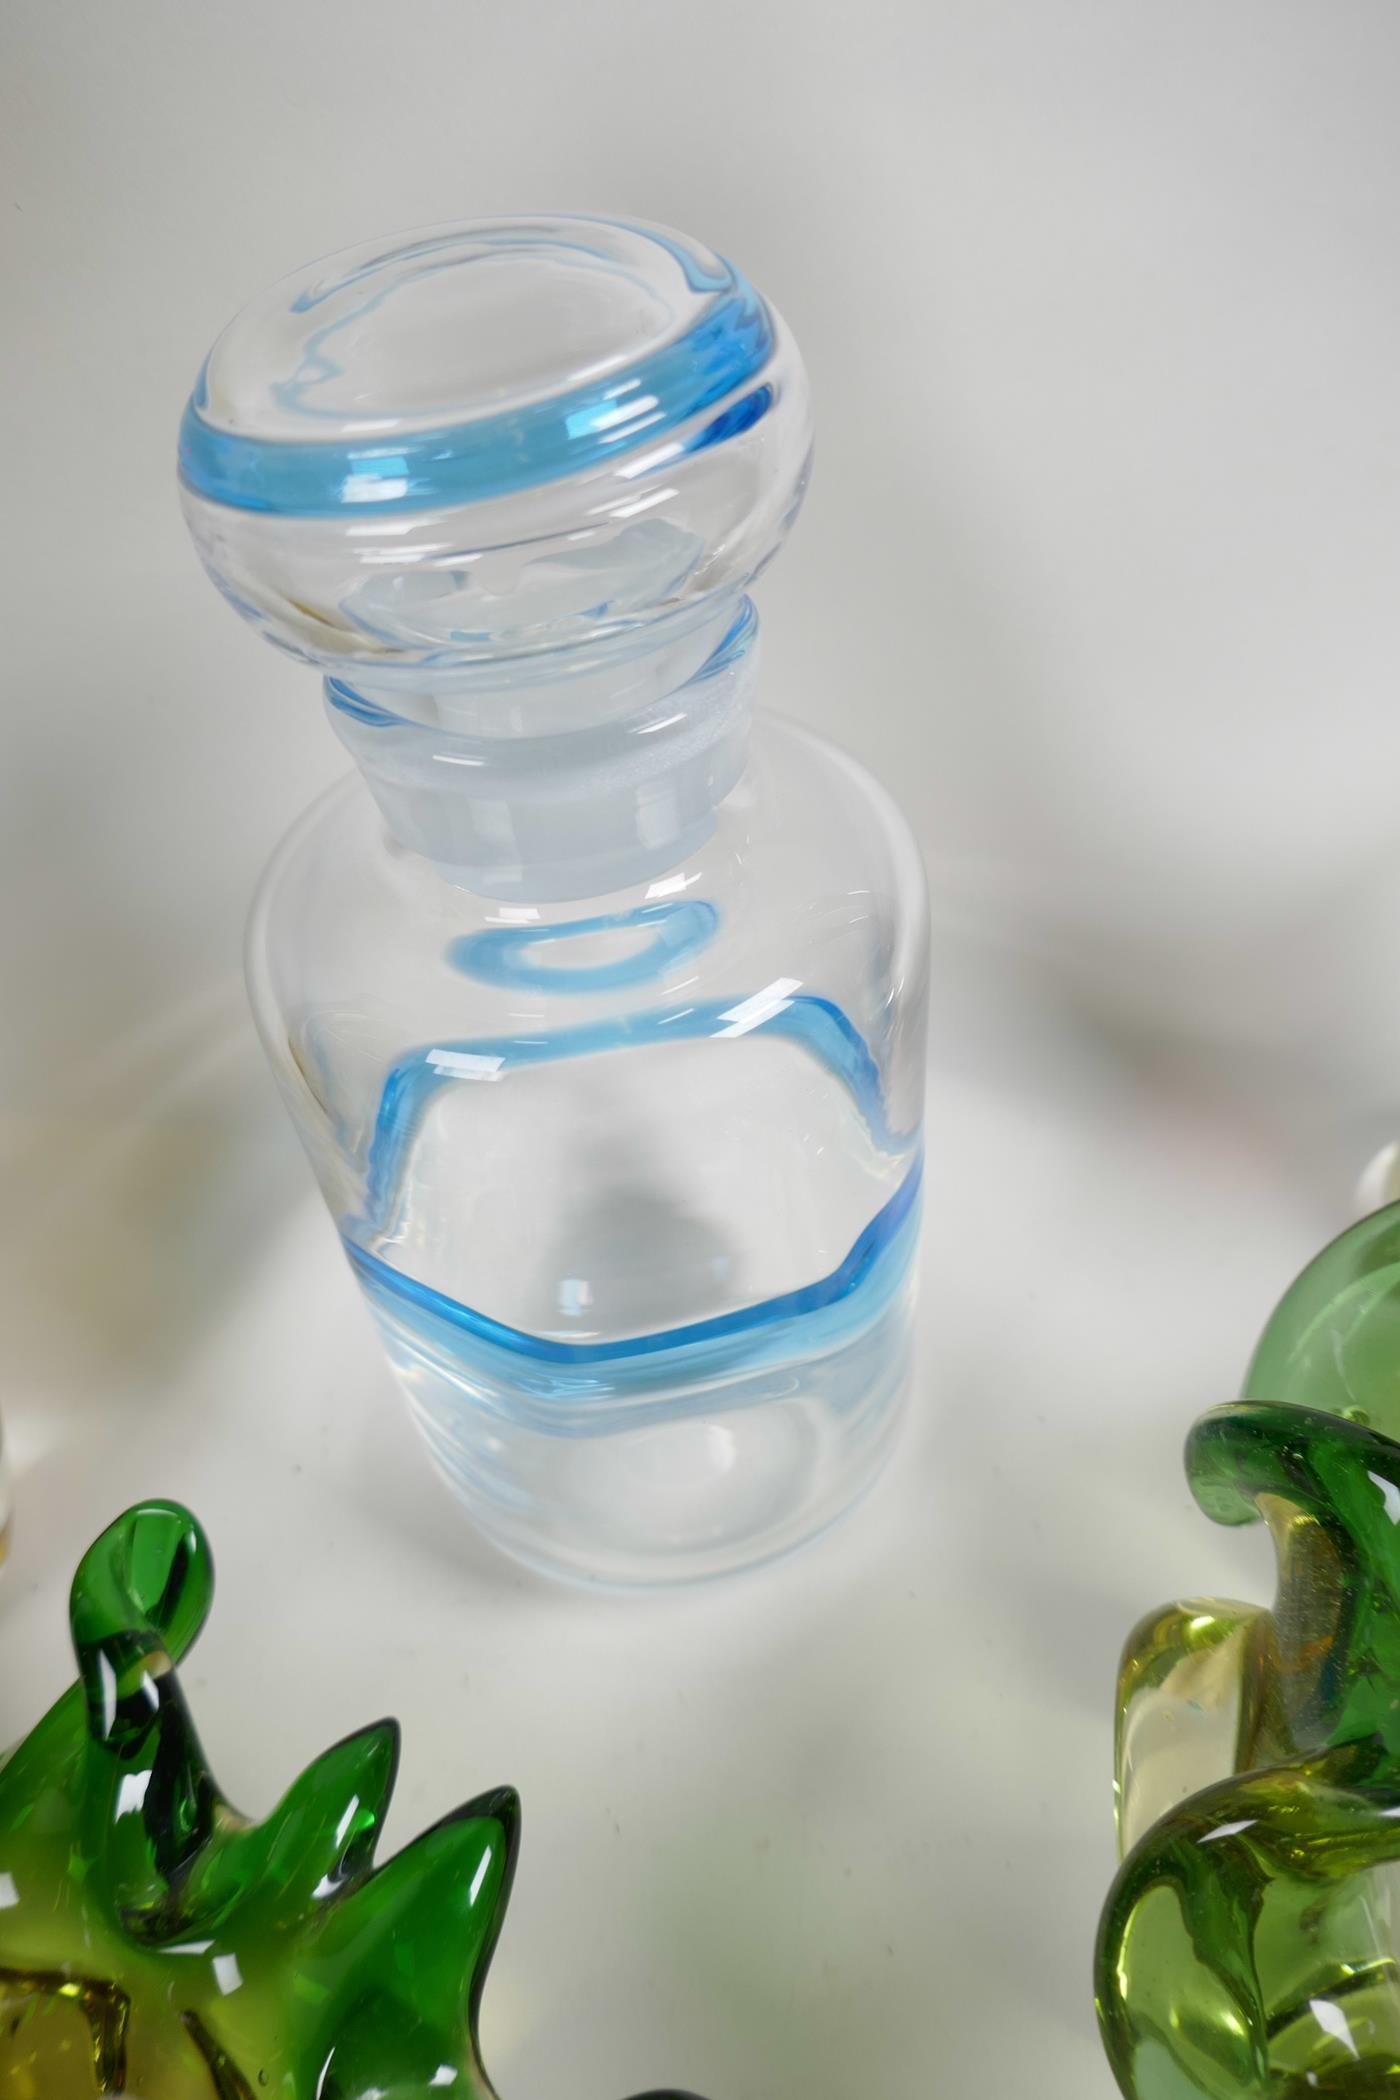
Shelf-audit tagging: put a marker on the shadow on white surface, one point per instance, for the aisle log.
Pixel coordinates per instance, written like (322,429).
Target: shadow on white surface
(142,1196)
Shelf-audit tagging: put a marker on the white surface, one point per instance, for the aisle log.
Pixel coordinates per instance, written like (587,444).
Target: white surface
(1098,572)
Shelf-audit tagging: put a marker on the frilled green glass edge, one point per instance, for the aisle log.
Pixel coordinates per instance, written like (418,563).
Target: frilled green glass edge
(1247,1946)
(156,1943)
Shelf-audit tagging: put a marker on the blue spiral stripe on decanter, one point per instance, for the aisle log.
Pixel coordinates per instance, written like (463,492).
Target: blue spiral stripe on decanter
(505,955)
(856,1289)
(497,455)
(415,1081)
(820,1027)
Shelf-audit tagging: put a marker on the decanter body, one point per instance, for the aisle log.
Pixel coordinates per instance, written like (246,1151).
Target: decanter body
(597,997)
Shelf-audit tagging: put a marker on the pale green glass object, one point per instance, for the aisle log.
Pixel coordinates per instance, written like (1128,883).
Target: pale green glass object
(1247,1948)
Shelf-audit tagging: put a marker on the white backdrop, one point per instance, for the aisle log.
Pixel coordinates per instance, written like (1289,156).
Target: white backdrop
(1100,301)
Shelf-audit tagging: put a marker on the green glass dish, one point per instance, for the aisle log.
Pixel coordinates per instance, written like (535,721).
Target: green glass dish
(1247,1947)
(157,1944)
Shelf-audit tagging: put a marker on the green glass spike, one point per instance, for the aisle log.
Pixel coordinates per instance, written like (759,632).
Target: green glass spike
(1248,1945)
(155,1943)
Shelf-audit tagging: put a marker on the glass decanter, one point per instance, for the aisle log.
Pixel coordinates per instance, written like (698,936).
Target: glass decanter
(597,998)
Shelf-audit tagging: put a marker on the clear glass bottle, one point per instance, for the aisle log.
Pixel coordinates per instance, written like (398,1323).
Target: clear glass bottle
(597,998)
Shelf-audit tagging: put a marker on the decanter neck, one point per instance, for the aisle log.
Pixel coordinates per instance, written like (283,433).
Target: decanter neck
(571,774)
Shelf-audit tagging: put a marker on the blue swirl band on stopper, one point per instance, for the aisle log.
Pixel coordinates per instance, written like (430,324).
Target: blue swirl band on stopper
(497,455)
